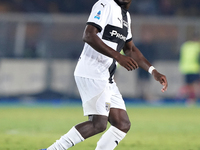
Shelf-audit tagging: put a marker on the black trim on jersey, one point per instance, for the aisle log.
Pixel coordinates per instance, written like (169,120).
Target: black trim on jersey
(95,25)
(129,40)
(115,34)
(111,70)
(119,38)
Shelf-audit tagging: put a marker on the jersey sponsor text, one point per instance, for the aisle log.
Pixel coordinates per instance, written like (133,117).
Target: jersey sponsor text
(117,35)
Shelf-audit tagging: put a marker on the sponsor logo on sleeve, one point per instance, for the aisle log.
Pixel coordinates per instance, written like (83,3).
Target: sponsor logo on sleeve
(98,15)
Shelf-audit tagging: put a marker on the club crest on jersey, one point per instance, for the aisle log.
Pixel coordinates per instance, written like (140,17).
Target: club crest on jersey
(98,15)
(107,106)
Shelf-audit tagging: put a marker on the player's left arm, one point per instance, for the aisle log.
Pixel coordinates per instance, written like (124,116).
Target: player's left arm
(132,51)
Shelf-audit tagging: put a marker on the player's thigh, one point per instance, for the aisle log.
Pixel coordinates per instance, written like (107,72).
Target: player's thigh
(116,98)
(118,116)
(95,96)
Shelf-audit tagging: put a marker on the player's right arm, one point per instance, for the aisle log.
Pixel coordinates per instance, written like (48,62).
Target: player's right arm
(131,50)
(90,37)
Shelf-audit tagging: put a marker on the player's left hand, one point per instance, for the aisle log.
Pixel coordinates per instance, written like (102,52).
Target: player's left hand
(160,78)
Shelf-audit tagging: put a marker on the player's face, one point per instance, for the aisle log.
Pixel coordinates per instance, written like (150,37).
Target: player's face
(124,3)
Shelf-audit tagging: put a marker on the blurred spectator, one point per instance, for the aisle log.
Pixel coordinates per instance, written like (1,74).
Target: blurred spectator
(139,7)
(147,47)
(166,7)
(31,51)
(190,67)
(192,7)
(4,6)
(187,7)
(146,7)
(53,7)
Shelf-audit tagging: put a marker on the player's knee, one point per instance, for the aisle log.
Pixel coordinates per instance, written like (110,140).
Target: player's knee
(124,126)
(99,123)
(127,126)
(100,127)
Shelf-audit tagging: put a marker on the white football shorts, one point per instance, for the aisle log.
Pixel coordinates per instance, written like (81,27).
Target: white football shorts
(98,96)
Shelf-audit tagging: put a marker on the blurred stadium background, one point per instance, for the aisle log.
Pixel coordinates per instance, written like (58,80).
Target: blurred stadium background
(41,40)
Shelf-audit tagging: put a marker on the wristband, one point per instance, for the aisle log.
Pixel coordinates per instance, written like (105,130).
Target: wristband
(151,68)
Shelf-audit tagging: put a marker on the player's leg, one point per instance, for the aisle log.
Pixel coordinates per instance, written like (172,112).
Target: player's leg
(78,133)
(95,97)
(95,125)
(120,125)
(118,116)
(119,121)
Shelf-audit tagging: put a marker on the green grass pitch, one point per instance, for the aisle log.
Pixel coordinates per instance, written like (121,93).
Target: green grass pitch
(153,128)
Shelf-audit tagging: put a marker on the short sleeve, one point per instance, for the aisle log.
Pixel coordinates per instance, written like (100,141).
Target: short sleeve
(99,15)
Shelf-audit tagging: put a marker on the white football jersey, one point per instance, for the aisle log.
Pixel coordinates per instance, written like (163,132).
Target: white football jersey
(114,25)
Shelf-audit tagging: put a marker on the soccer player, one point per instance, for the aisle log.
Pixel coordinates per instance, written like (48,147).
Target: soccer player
(108,30)
(189,66)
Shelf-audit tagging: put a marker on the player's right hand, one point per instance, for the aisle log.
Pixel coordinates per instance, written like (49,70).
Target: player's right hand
(160,78)
(127,62)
